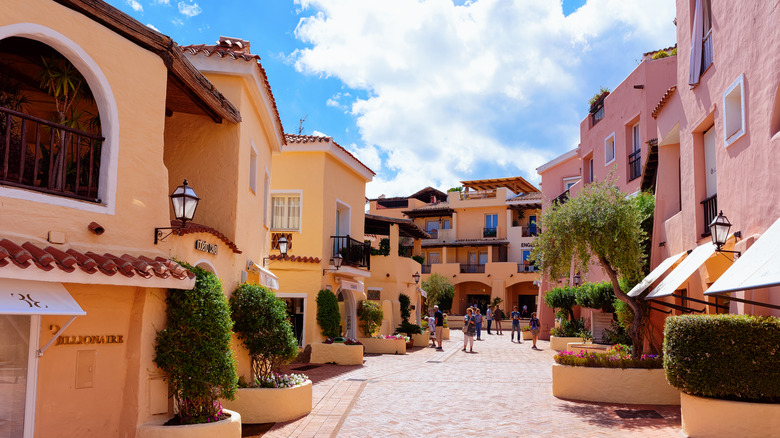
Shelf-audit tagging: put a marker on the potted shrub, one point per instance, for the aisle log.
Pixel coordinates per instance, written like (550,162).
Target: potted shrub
(336,350)
(370,317)
(194,351)
(261,325)
(728,369)
(612,377)
(406,327)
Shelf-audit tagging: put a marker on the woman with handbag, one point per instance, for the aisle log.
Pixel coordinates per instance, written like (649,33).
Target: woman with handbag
(469,330)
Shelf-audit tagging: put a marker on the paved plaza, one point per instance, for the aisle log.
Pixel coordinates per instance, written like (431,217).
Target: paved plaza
(503,389)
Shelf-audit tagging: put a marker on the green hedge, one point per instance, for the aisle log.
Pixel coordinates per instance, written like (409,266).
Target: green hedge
(734,357)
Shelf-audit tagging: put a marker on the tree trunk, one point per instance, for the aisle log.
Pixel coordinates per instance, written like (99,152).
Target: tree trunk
(639,315)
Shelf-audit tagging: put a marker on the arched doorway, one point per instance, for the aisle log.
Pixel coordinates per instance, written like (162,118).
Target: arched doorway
(471,293)
(349,317)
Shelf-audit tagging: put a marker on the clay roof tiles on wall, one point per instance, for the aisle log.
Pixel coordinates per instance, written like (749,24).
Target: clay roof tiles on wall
(303,139)
(46,259)
(665,98)
(192,227)
(292,258)
(237,49)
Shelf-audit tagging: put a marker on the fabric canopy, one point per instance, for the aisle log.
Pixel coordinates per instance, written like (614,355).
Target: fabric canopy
(757,268)
(22,297)
(268,279)
(422,292)
(655,275)
(684,270)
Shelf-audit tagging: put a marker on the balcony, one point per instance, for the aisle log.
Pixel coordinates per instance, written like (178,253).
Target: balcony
(710,212)
(525,267)
(472,268)
(635,165)
(426,269)
(477,194)
(597,115)
(47,157)
(353,252)
(433,233)
(490,232)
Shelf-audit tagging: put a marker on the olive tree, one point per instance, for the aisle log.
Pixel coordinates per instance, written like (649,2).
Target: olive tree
(440,291)
(600,224)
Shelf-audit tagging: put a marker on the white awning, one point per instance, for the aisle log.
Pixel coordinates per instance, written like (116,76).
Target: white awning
(758,267)
(684,270)
(422,292)
(267,278)
(356,286)
(655,275)
(22,297)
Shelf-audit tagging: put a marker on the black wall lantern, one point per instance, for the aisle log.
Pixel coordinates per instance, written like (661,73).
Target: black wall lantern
(577,279)
(416,277)
(283,244)
(184,201)
(335,261)
(719,228)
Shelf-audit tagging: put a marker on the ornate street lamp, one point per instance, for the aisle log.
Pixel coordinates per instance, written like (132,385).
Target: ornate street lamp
(336,261)
(416,277)
(719,229)
(184,201)
(577,279)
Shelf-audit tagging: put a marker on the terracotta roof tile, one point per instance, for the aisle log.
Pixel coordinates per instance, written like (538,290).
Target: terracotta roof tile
(665,98)
(192,227)
(50,258)
(532,196)
(292,258)
(302,139)
(239,50)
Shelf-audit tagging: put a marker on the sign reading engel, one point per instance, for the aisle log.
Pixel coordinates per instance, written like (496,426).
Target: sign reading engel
(202,245)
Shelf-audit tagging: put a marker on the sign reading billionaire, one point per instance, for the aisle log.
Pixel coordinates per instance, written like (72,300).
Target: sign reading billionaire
(202,245)
(98,339)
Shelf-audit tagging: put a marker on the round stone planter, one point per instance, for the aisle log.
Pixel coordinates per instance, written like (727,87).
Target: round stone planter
(558,343)
(229,428)
(445,333)
(383,346)
(614,385)
(527,336)
(725,418)
(338,353)
(422,340)
(271,405)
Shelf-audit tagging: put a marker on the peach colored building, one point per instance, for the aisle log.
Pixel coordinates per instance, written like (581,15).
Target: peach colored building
(481,238)
(83,281)
(321,213)
(718,131)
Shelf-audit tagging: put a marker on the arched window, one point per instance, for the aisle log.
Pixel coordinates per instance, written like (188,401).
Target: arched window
(51,140)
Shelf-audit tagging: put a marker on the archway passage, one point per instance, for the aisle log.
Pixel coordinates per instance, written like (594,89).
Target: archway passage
(50,127)
(524,294)
(471,293)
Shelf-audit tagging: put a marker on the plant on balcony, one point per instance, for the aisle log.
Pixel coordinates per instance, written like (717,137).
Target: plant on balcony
(598,97)
(440,291)
(261,325)
(370,315)
(419,259)
(384,248)
(328,316)
(604,225)
(194,349)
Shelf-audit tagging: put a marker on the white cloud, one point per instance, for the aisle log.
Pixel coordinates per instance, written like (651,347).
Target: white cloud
(177,22)
(135,5)
(368,155)
(150,26)
(319,134)
(161,2)
(190,10)
(490,88)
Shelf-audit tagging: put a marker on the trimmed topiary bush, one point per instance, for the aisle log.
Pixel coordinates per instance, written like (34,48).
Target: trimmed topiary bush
(261,324)
(405,304)
(370,315)
(562,298)
(195,349)
(328,316)
(733,357)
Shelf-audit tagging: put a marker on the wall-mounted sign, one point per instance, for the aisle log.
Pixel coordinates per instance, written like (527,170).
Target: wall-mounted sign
(87,340)
(526,245)
(202,245)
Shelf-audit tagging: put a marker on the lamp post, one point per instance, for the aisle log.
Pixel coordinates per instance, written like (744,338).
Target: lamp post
(185,202)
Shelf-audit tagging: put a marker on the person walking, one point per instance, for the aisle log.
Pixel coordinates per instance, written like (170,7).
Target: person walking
(478,320)
(534,324)
(439,320)
(489,316)
(470,329)
(498,315)
(432,327)
(515,315)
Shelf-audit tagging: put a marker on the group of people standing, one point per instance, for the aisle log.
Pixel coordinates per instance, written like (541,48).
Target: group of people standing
(472,325)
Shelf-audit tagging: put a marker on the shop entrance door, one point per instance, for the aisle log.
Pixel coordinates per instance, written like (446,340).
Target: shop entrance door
(17,378)
(295,314)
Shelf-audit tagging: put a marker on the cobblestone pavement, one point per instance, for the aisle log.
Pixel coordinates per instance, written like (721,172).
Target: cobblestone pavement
(503,389)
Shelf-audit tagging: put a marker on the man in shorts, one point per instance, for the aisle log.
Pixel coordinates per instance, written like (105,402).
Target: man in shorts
(439,325)
(516,325)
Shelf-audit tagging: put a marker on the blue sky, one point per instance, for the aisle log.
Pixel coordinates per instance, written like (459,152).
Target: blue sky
(431,92)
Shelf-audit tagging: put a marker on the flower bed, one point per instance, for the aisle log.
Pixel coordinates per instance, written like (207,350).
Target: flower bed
(228,428)
(616,356)
(395,344)
(614,385)
(274,404)
(340,353)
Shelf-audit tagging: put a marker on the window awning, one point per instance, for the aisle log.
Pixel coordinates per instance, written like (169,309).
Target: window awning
(684,270)
(267,278)
(655,275)
(757,268)
(356,286)
(422,292)
(22,297)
